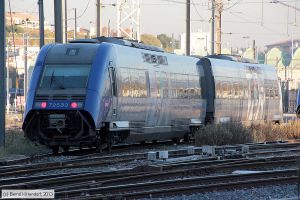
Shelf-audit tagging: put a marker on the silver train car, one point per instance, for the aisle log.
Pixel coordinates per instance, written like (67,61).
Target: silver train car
(108,91)
(242,91)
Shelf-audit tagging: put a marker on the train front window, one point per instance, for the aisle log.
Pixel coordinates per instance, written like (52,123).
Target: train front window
(65,76)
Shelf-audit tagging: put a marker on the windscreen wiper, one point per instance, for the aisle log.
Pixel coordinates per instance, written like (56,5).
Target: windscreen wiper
(58,83)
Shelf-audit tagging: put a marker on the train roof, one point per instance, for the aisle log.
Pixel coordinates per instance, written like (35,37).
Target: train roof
(235,58)
(119,41)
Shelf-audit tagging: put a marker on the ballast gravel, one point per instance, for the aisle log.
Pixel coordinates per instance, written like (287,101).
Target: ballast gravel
(276,192)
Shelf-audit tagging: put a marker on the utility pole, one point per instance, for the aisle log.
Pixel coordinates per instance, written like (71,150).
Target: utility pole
(173,43)
(58,20)
(2,67)
(66,22)
(218,18)
(99,18)
(25,64)
(75,24)
(254,49)
(188,28)
(41,23)
(212,27)
(7,79)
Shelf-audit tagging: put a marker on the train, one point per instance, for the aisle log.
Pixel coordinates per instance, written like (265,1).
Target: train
(298,103)
(105,91)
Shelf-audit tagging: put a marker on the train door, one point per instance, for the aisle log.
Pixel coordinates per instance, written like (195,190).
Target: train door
(256,95)
(155,109)
(162,99)
(113,87)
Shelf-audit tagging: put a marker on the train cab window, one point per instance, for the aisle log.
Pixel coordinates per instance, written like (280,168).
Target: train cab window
(65,76)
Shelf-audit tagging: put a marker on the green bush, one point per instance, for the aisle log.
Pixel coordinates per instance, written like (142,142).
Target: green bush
(17,144)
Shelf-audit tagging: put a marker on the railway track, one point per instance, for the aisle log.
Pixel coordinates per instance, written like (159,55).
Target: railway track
(255,150)
(76,184)
(148,173)
(182,186)
(97,160)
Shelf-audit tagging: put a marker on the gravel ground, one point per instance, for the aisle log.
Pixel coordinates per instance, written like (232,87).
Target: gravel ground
(264,193)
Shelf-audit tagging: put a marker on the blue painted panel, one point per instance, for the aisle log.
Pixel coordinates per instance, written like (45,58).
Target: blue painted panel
(96,86)
(35,77)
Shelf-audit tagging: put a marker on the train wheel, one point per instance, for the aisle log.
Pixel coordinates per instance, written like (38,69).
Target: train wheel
(55,150)
(66,148)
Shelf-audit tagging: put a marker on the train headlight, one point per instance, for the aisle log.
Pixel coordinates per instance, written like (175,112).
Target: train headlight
(40,104)
(75,105)
(43,104)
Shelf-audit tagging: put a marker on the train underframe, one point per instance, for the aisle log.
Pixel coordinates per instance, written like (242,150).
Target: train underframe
(70,128)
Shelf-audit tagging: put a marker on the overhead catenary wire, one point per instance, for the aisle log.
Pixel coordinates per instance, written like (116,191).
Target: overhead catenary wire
(84,11)
(195,8)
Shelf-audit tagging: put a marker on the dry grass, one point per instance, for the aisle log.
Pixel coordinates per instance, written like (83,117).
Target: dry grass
(271,132)
(222,134)
(17,144)
(233,133)
(13,120)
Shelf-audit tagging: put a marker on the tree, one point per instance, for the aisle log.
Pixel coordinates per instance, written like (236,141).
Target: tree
(166,41)
(151,40)
(16,29)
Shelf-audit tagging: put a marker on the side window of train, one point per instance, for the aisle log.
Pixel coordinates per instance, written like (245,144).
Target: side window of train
(162,84)
(218,89)
(276,89)
(143,84)
(112,76)
(272,91)
(134,83)
(224,90)
(173,86)
(138,83)
(124,89)
(193,87)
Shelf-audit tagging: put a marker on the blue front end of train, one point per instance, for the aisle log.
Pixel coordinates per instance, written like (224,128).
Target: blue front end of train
(68,97)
